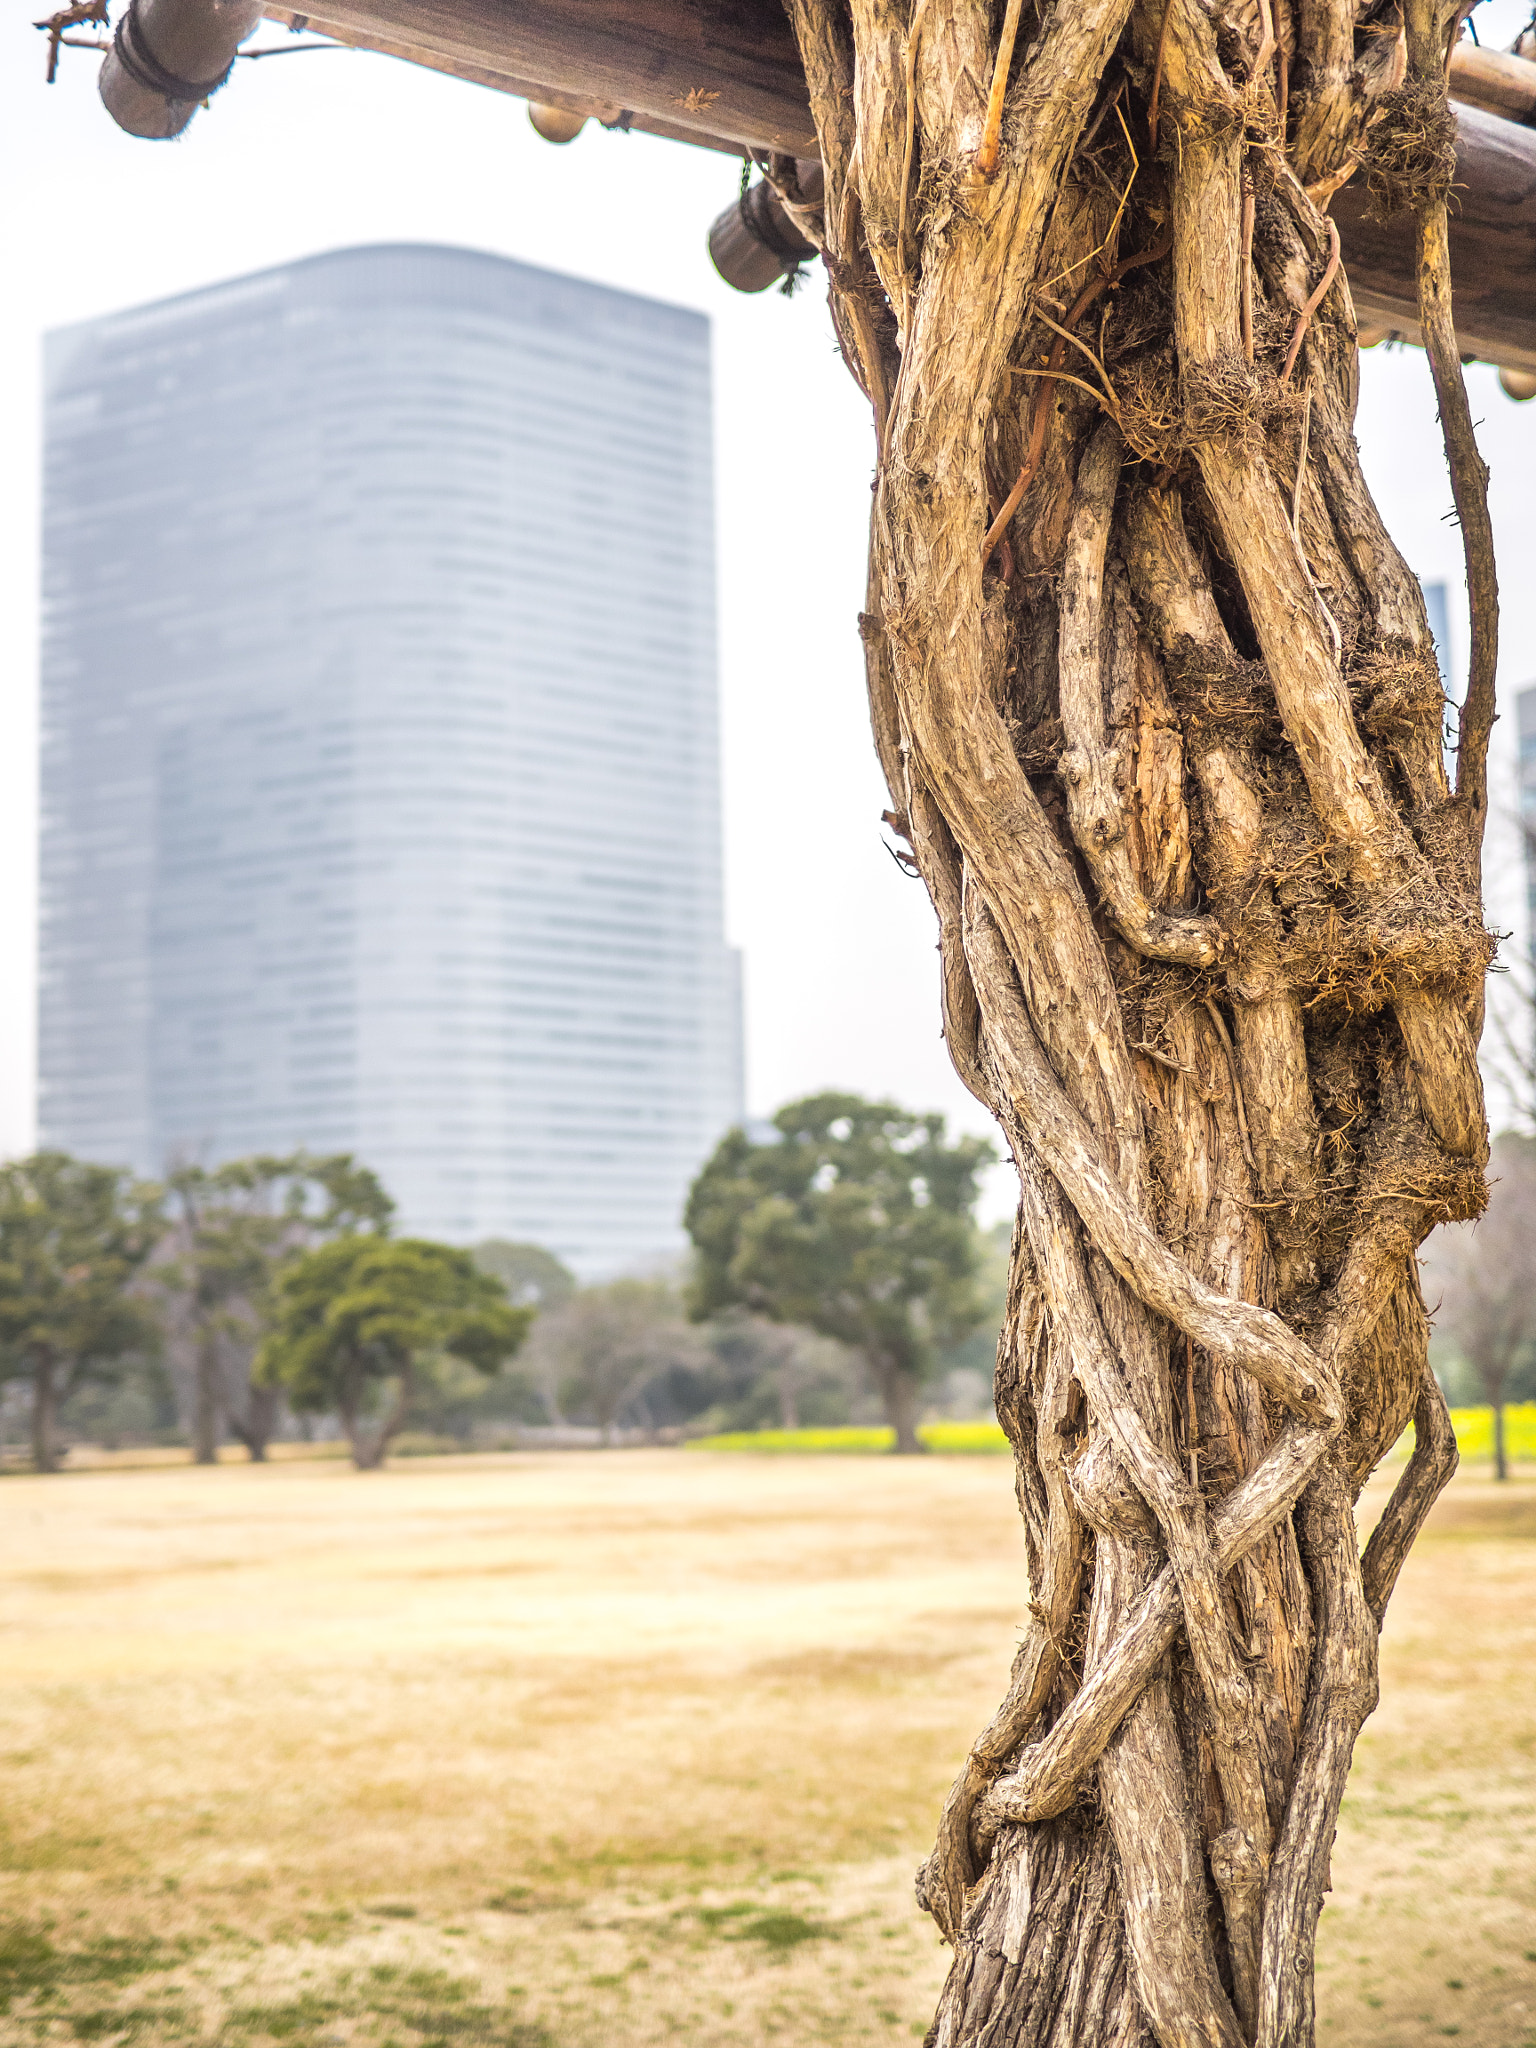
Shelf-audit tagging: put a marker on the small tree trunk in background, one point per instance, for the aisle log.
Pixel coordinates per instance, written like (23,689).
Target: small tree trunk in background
(205,1398)
(789,1393)
(256,1427)
(45,1413)
(369,1452)
(898,1395)
(1159,713)
(1493,1375)
(1496,1398)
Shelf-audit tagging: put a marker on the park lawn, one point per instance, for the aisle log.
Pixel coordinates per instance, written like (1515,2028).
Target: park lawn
(552,1751)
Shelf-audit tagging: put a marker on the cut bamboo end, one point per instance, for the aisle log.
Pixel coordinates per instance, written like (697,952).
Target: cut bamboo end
(555,124)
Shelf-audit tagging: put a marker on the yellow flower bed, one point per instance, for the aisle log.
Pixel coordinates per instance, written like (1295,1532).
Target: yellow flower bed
(1474,1433)
(963,1437)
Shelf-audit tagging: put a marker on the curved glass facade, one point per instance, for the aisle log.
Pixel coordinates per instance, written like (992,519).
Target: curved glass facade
(380,755)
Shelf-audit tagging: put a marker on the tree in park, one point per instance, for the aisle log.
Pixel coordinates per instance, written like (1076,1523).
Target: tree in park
(74,1239)
(533,1277)
(356,1321)
(231,1228)
(595,1353)
(1481,1281)
(1160,716)
(855,1222)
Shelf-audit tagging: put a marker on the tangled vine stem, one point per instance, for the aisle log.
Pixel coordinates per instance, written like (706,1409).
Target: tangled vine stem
(1161,721)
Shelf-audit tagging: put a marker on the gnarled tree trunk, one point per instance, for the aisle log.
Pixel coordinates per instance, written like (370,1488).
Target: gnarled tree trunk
(1160,713)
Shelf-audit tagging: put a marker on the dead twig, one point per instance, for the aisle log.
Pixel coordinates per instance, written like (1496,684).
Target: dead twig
(1191,1431)
(72,17)
(906,160)
(991,134)
(1036,448)
(1237,1087)
(1157,73)
(1469,474)
(1301,553)
(1304,321)
(1066,377)
(1078,343)
(1267,46)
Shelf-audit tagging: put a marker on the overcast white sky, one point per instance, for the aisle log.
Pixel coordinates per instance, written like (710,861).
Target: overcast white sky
(308,153)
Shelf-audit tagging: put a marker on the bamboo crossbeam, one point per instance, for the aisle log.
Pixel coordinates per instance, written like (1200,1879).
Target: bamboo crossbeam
(726,74)
(1493,246)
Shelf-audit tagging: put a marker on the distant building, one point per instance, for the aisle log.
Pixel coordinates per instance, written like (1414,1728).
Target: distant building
(380,785)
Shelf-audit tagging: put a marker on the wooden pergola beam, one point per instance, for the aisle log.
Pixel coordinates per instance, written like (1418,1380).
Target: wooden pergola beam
(724,73)
(1493,246)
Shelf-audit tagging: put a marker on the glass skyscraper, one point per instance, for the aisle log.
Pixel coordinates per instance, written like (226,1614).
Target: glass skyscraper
(380,783)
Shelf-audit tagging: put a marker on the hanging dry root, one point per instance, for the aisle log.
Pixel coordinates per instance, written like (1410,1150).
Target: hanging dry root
(1158,707)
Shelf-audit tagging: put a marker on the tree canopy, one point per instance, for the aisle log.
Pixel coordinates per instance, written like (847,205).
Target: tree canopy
(598,1353)
(231,1227)
(74,1239)
(353,1315)
(532,1276)
(855,1221)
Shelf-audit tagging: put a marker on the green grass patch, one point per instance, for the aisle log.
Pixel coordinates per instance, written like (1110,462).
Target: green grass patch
(32,1964)
(133,2023)
(776,1930)
(782,1931)
(431,2006)
(948,1438)
(285,2020)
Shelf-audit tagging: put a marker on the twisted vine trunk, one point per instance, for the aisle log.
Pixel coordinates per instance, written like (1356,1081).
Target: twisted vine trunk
(1160,714)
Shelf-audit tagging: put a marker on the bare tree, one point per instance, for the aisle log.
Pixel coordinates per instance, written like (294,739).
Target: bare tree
(1160,715)
(1485,1278)
(761,1354)
(1510,1048)
(595,1353)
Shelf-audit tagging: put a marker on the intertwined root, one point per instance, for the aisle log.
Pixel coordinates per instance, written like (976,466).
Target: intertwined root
(1156,700)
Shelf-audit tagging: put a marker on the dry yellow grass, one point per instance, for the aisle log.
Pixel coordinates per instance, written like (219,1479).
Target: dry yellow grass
(627,1748)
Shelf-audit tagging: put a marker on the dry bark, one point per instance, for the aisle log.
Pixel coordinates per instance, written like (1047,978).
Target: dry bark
(1158,706)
